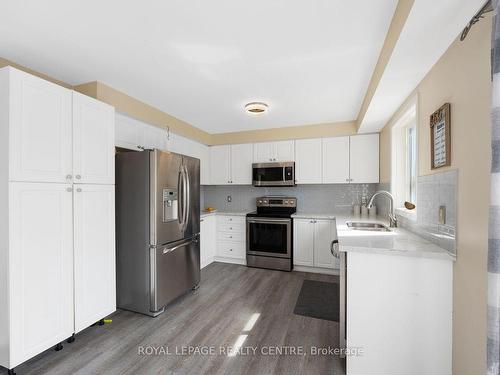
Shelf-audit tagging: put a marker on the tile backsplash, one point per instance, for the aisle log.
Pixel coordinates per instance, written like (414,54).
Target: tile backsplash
(434,191)
(311,198)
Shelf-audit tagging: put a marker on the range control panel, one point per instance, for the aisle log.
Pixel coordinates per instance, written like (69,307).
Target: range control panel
(272,201)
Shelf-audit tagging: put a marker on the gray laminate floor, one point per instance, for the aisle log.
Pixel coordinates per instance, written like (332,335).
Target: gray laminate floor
(214,317)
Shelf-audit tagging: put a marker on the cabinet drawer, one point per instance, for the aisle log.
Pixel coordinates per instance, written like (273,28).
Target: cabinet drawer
(228,236)
(231,249)
(231,228)
(221,220)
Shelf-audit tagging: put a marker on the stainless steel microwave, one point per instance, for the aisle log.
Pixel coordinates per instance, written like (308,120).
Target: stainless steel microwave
(273,174)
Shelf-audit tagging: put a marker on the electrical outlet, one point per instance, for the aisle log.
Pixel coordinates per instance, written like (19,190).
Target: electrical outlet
(442,215)
(229,199)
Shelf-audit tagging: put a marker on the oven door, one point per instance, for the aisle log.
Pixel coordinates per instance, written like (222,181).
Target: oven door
(273,174)
(270,237)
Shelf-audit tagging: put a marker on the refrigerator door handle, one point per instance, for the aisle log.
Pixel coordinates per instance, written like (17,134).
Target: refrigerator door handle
(180,206)
(187,198)
(167,250)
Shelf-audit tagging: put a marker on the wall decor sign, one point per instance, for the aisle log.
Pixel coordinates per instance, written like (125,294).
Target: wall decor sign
(441,137)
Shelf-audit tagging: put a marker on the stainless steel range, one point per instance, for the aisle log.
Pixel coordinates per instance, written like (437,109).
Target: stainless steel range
(269,233)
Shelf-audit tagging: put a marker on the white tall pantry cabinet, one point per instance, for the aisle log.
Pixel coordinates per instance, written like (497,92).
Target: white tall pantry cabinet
(57,242)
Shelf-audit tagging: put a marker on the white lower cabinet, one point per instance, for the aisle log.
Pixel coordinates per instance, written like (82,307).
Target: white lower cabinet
(312,241)
(231,238)
(207,240)
(57,264)
(94,253)
(36,288)
(303,242)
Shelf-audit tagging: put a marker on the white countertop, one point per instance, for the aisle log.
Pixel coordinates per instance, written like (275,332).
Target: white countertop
(312,215)
(229,213)
(396,242)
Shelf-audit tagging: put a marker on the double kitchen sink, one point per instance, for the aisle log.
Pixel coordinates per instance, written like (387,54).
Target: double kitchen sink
(367,226)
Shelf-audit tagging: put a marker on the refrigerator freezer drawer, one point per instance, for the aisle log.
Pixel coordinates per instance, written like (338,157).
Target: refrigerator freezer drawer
(175,269)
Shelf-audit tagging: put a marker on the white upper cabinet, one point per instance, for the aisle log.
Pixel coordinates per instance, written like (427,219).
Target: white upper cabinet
(40,126)
(40,269)
(364,158)
(335,160)
(241,164)
(284,151)
(266,152)
(204,156)
(153,137)
(93,141)
(220,170)
(263,152)
(308,161)
(128,132)
(94,247)
(231,164)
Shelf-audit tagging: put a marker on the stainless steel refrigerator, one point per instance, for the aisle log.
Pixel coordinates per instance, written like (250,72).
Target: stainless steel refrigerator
(157,228)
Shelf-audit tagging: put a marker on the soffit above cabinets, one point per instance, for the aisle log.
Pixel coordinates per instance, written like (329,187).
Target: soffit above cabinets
(310,61)
(431,27)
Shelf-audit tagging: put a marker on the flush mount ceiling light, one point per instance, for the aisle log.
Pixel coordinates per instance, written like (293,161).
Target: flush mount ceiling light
(256,108)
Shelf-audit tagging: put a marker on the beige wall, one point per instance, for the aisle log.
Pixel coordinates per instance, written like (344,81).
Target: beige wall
(149,114)
(462,78)
(292,132)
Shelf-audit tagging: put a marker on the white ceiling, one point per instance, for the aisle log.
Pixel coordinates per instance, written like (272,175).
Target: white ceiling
(201,61)
(428,32)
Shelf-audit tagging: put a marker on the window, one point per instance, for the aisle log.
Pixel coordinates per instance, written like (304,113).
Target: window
(411,163)
(404,158)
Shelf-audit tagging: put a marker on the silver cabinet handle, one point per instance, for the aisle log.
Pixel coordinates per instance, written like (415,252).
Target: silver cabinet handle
(334,248)
(79,190)
(78,177)
(69,190)
(69,177)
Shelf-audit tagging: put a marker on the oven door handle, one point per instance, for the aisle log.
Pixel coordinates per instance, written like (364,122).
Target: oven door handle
(270,221)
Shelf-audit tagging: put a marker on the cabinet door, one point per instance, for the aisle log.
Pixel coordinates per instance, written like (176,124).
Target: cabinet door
(308,161)
(241,164)
(263,152)
(154,137)
(204,165)
(323,237)
(364,152)
(93,141)
(220,165)
(335,160)
(40,128)
(284,151)
(207,240)
(127,132)
(95,280)
(303,242)
(41,267)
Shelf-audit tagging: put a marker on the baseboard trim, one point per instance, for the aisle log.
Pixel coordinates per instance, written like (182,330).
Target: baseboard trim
(242,262)
(325,271)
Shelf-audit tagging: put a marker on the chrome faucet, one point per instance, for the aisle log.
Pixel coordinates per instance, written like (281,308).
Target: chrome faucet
(393,223)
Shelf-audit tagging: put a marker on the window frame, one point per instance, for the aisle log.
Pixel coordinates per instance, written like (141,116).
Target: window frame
(404,165)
